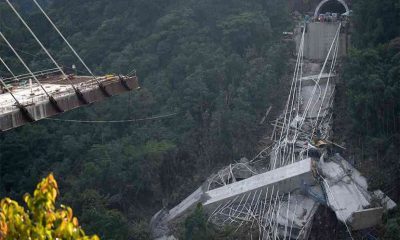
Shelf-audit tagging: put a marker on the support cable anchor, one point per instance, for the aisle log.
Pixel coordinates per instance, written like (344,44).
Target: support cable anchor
(124,83)
(104,89)
(81,97)
(25,113)
(55,104)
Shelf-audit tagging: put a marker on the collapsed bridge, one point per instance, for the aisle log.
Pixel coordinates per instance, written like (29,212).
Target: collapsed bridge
(276,195)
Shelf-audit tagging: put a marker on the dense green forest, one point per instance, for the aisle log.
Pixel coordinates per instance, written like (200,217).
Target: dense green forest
(371,94)
(217,64)
(372,77)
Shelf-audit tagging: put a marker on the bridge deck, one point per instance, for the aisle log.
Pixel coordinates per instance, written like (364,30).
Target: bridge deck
(39,106)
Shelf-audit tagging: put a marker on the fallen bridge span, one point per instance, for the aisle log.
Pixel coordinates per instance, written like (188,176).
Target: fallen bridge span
(277,194)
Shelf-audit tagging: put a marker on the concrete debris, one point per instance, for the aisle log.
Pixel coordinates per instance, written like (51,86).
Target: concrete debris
(297,212)
(286,179)
(279,191)
(232,173)
(345,193)
(366,218)
(158,225)
(384,201)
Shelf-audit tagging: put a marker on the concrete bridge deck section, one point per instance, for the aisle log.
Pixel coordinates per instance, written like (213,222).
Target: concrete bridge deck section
(311,80)
(38,105)
(286,179)
(318,39)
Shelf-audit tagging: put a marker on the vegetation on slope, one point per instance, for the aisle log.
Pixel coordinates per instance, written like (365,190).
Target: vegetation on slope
(372,76)
(372,82)
(218,64)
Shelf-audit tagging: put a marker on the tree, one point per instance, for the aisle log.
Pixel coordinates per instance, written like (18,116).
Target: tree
(216,63)
(197,227)
(42,220)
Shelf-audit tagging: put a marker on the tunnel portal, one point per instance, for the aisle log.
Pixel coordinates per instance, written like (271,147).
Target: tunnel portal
(332,6)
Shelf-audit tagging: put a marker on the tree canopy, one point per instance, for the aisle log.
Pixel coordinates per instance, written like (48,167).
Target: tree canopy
(42,219)
(217,64)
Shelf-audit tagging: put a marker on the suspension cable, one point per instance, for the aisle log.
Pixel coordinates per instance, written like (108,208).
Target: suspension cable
(289,103)
(66,41)
(8,90)
(319,78)
(112,121)
(9,70)
(22,51)
(21,107)
(41,44)
(333,64)
(24,64)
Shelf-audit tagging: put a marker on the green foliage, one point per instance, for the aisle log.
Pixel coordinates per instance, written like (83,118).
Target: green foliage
(392,230)
(218,64)
(42,220)
(372,81)
(376,21)
(197,226)
(392,226)
(374,87)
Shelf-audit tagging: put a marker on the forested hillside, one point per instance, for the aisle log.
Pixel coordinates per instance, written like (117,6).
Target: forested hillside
(218,64)
(372,78)
(371,92)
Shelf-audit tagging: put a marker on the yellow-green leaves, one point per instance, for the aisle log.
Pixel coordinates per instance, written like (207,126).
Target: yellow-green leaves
(41,220)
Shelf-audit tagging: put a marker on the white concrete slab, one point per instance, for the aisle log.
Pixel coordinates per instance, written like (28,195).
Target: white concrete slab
(316,96)
(286,179)
(186,205)
(301,211)
(318,39)
(366,218)
(345,189)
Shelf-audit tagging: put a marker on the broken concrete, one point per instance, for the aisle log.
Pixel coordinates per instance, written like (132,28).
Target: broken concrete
(298,213)
(385,201)
(367,218)
(348,195)
(300,180)
(286,179)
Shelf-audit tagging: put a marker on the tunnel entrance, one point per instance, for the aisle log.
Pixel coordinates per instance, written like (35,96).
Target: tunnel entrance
(332,6)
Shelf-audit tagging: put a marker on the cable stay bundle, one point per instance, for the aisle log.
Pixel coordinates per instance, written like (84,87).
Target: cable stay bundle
(52,76)
(35,37)
(300,122)
(77,91)
(113,121)
(291,129)
(291,104)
